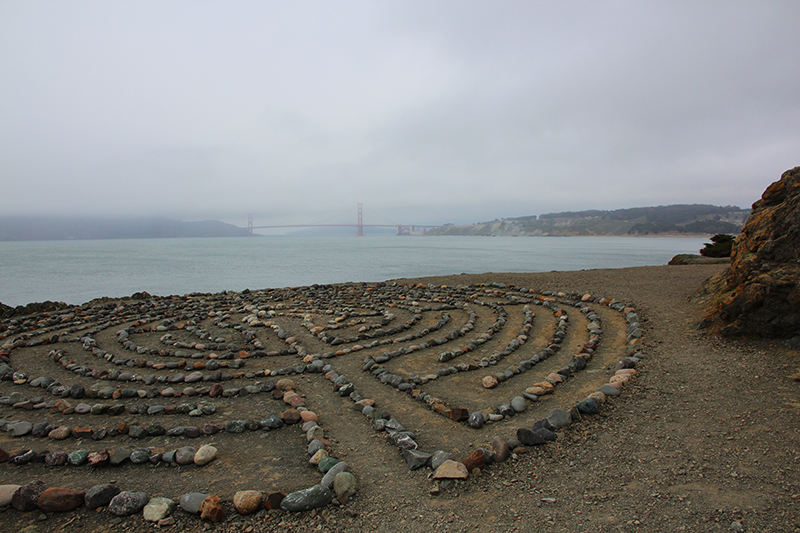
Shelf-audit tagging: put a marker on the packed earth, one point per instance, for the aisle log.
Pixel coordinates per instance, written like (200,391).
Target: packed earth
(562,401)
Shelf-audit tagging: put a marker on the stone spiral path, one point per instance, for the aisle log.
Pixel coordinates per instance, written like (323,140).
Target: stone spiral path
(449,379)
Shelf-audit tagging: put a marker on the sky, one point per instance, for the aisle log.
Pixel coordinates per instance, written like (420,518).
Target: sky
(426,112)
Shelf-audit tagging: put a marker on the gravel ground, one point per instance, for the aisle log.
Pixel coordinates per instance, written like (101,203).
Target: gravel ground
(706,439)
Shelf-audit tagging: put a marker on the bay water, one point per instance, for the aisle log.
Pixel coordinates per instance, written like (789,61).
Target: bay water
(78,271)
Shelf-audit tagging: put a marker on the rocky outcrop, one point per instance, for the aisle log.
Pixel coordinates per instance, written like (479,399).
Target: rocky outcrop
(759,293)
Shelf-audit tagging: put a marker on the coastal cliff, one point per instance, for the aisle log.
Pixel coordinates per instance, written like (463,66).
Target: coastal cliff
(759,293)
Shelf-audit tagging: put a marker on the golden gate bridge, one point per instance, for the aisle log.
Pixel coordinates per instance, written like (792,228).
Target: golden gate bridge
(402,229)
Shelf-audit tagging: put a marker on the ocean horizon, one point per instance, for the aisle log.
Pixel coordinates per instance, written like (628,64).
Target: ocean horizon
(78,271)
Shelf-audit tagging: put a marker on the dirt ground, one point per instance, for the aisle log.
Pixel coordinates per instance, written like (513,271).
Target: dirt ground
(704,439)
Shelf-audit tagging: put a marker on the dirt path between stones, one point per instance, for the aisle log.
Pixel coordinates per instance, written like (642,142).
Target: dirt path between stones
(704,439)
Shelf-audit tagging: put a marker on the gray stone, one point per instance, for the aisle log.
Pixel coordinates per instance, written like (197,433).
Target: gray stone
(545,433)
(559,418)
(415,459)
(191,502)
(41,429)
(273,422)
(327,479)
(519,404)
(314,446)
(100,495)
(18,429)
(608,390)
(529,437)
(127,503)
(140,456)
(235,426)
(137,432)
(501,449)
(158,508)
(439,457)
(406,443)
(307,499)
(119,456)
(589,406)
(476,420)
(185,455)
(194,377)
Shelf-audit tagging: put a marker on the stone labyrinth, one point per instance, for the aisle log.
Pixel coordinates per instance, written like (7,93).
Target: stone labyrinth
(250,386)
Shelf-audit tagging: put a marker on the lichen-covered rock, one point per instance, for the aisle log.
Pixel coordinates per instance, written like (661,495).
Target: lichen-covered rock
(759,293)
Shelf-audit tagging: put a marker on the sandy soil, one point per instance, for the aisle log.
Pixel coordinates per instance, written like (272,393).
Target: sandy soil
(705,439)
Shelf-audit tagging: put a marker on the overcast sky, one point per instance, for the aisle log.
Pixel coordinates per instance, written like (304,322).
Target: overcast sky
(426,112)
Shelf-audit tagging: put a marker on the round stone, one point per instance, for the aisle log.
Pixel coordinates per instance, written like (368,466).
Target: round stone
(247,501)
(185,455)
(205,454)
(128,503)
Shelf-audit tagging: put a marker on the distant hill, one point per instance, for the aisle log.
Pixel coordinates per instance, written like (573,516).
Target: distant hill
(694,219)
(63,228)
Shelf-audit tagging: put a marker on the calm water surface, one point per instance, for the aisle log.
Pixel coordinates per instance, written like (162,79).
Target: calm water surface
(78,271)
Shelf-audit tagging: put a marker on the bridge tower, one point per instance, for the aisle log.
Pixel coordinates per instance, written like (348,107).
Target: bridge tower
(360,221)
(250,224)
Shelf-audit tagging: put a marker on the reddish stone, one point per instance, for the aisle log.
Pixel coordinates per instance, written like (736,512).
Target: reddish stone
(309,416)
(288,396)
(290,416)
(216,390)
(82,432)
(297,401)
(62,405)
(458,414)
(100,458)
(3,456)
(475,460)
(59,433)
(211,509)
(58,500)
(451,470)
(274,500)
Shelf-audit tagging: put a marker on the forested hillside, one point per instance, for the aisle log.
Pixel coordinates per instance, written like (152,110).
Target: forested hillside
(694,219)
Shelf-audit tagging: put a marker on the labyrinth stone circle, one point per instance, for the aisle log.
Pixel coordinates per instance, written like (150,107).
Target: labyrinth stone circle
(169,383)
